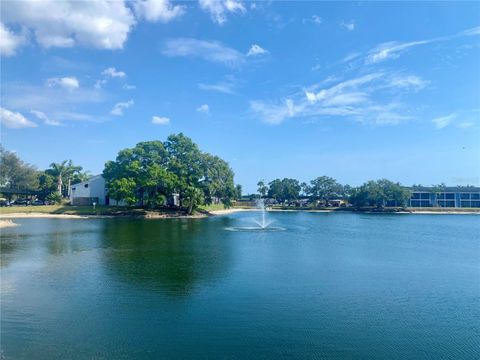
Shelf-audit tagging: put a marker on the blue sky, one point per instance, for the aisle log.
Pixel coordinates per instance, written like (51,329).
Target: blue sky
(357,91)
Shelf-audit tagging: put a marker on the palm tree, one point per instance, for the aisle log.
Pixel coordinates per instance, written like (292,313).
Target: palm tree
(63,170)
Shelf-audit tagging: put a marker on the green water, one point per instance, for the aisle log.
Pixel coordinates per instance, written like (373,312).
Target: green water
(333,286)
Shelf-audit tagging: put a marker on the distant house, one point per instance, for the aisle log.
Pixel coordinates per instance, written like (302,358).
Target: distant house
(89,192)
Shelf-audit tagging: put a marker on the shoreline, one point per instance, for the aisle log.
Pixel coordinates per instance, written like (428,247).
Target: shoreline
(5,219)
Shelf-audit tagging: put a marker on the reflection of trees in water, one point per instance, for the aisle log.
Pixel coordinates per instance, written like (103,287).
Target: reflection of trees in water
(174,255)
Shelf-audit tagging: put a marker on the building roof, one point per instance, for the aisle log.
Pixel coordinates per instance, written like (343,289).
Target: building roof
(455,189)
(87,181)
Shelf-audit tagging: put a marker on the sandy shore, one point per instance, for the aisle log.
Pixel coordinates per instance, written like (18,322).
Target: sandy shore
(42,215)
(230,211)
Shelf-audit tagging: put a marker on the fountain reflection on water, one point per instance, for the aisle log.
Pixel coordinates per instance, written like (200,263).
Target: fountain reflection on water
(263,223)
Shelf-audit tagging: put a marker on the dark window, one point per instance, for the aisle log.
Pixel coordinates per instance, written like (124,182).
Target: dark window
(475,204)
(416,196)
(425,196)
(86,185)
(464,196)
(450,196)
(475,196)
(73,189)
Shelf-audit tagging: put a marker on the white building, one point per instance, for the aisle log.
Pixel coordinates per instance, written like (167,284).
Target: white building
(88,192)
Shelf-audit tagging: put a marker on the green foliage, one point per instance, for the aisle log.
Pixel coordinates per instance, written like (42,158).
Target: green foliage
(156,170)
(238,192)
(123,189)
(262,188)
(378,193)
(16,174)
(64,173)
(284,190)
(193,197)
(54,197)
(324,188)
(46,185)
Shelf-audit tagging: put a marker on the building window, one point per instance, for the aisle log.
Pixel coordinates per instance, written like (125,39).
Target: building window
(86,185)
(73,189)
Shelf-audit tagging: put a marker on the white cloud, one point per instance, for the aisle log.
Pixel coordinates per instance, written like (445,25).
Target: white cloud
(219,9)
(256,50)
(14,120)
(69,83)
(128,87)
(315,19)
(361,99)
(409,81)
(391,50)
(113,73)
(348,25)
(158,10)
(444,121)
(466,124)
(160,120)
(9,41)
(99,24)
(42,116)
(120,106)
(213,51)
(220,87)
(204,108)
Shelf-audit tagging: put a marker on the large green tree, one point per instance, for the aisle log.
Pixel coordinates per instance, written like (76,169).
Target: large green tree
(15,173)
(284,190)
(154,171)
(379,193)
(324,188)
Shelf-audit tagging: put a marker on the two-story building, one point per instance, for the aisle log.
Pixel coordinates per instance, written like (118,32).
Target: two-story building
(453,197)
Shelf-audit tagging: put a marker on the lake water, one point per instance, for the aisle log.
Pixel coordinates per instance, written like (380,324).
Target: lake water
(334,286)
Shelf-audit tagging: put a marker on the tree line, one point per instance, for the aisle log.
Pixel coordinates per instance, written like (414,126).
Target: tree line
(148,175)
(324,189)
(50,184)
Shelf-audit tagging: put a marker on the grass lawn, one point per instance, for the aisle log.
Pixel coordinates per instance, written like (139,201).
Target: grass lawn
(211,207)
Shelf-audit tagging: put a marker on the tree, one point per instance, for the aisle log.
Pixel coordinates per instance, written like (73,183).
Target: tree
(284,190)
(47,185)
(217,180)
(262,188)
(238,192)
(325,188)
(192,198)
(177,165)
(15,173)
(123,190)
(64,171)
(378,193)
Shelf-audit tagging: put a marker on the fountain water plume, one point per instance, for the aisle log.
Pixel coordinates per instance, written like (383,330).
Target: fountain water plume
(263,222)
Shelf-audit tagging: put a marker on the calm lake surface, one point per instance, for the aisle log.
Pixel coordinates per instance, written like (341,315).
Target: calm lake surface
(334,286)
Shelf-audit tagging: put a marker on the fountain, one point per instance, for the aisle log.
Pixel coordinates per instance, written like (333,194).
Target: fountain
(263,223)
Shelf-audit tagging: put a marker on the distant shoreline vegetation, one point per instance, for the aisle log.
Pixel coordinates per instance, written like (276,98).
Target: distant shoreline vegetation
(177,175)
